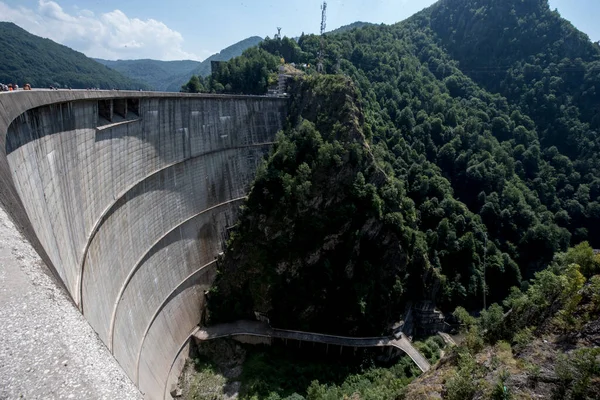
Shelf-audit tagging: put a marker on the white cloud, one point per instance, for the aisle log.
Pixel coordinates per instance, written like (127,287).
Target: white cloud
(110,35)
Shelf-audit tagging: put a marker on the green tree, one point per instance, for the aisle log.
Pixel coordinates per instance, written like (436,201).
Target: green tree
(193,86)
(582,255)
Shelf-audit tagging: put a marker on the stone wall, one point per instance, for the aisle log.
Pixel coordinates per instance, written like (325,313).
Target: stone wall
(131,213)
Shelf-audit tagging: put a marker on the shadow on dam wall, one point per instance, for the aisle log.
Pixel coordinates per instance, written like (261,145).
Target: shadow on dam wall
(130,207)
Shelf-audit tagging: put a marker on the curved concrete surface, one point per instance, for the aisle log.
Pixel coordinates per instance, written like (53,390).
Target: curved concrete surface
(127,196)
(204,275)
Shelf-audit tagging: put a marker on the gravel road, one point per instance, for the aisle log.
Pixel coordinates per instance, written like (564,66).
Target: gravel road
(47,349)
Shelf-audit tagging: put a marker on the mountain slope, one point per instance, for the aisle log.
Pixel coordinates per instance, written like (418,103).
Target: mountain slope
(203,69)
(510,46)
(550,72)
(545,347)
(349,27)
(27,58)
(169,76)
(157,74)
(485,197)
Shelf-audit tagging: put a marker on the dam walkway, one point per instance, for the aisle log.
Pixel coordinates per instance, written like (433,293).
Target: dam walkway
(260,329)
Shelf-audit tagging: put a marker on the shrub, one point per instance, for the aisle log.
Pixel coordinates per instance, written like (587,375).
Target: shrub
(501,391)
(523,337)
(463,385)
(460,387)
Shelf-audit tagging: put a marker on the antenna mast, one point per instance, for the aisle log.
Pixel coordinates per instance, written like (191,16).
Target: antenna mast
(323,17)
(323,25)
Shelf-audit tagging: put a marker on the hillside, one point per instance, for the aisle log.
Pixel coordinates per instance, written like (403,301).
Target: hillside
(550,72)
(27,58)
(349,27)
(322,197)
(157,74)
(169,76)
(203,69)
(479,173)
(545,347)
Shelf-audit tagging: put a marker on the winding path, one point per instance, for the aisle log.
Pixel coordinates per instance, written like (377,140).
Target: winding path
(253,328)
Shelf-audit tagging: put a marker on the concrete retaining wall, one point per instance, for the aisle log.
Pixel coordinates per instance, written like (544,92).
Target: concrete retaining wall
(131,213)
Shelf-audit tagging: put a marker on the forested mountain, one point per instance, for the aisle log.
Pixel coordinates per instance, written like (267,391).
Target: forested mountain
(27,58)
(171,75)
(156,74)
(204,68)
(349,27)
(486,115)
(551,72)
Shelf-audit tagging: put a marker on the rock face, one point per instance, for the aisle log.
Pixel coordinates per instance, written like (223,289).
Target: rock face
(127,196)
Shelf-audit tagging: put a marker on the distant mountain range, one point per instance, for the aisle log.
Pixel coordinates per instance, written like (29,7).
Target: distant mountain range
(171,75)
(27,58)
(156,74)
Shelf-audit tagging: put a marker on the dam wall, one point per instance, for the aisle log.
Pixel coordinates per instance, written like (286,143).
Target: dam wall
(128,197)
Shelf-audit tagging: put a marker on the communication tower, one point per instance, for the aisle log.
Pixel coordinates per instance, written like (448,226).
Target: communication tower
(323,17)
(323,26)
(278,36)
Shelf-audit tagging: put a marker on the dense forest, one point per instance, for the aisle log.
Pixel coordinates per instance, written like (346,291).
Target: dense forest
(481,119)
(204,68)
(349,27)
(27,58)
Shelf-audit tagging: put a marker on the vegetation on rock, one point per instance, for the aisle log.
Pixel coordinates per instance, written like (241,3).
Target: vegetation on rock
(321,226)
(223,368)
(457,163)
(542,341)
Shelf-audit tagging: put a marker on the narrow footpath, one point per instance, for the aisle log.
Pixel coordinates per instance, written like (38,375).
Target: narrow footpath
(260,329)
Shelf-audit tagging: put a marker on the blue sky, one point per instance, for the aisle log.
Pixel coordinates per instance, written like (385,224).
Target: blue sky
(180,29)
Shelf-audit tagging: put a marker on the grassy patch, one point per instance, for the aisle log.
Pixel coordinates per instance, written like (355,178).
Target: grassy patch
(206,383)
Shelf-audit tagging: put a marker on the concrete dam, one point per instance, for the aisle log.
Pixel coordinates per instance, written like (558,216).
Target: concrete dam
(128,197)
